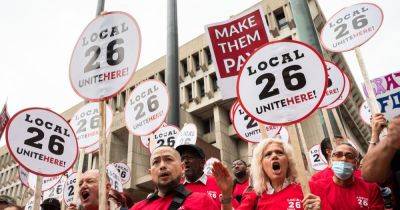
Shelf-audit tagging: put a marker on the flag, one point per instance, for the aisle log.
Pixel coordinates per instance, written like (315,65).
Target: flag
(4,117)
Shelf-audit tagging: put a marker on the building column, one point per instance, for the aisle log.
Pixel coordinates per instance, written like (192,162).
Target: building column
(228,147)
(138,160)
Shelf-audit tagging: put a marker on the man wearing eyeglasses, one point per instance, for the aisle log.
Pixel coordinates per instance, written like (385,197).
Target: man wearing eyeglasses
(344,190)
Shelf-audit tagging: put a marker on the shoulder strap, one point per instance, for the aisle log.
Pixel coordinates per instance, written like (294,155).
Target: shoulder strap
(256,203)
(181,193)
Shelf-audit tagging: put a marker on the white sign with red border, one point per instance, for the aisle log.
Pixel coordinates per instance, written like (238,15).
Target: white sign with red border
(318,161)
(86,123)
(248,128)
(335,84)
(124,172)
(165,136)
(351,27)
(69,190)
(41,141)
(56,191)
(283,135)
(188,134)
(29,204)
(365,113)
(208,166)
(47,183)
(232,42)
(115,178)
(147,107)
(93,148)
(232,110)
(145,140)
(277,85)
(342,98)
(105,56)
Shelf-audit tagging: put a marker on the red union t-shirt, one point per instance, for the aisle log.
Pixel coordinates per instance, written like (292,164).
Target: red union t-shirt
(361,195)
(240,188)
(287,199)
(195,201)
(210,188)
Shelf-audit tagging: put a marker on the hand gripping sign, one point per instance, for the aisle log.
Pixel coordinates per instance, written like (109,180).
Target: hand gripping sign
(248,129)
(86,123)
(351,27)
(278,84)
(318,161)
(231,43)
(342,98)
(387,92)
(188,134)
(124,172)
(105,56)
(335,84)
(69,190)
(146,108)
(41,141)
(115,178)
(165,136)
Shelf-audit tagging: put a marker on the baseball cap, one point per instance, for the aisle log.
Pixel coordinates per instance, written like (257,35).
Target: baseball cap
(192,148)
(51,203)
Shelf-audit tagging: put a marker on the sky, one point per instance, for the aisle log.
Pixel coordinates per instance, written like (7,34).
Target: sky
(38,38)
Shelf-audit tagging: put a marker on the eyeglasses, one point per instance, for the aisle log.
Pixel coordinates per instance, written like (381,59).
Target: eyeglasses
(347,155)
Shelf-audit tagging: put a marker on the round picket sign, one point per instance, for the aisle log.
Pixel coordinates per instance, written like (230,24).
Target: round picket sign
(208,166)
(41,141)
(86,123)
(47,183)
(335,85)
(365,113)
(165,136)
(69,190)
(232,110)
(351,27)
(56,191)
(342,98)
(29,204)
(105,56)
(147,107)
(115,178)
(248,128)
(278,85)
(124,172)
(188,135)
(318,161)
(145,140)
(283,135)
(93,148)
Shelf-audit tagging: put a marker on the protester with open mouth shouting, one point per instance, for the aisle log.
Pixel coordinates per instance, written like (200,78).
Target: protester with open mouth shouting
(274,181)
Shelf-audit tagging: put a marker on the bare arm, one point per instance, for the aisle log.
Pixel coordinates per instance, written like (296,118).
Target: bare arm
(376,165)
(224,182)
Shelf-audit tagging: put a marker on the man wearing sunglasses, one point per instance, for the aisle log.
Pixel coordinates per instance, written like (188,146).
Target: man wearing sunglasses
(344,190)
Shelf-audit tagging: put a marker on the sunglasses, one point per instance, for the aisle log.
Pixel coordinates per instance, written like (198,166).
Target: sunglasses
(347,155)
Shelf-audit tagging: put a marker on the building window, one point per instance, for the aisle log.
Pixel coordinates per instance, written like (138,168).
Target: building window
(184,67)
(162,76)
(266,19)
(196,61)
(123,98)
(214,82)
(280,18)
(201,87)
(208,54)
(188,89)
(208,125)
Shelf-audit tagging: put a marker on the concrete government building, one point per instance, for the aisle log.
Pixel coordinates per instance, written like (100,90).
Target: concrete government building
(201,104)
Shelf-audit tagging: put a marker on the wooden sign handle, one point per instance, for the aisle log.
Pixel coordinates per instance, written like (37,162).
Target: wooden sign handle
(102,159)
(38,193)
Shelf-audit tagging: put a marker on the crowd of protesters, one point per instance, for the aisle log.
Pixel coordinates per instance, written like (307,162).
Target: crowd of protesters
(269,182)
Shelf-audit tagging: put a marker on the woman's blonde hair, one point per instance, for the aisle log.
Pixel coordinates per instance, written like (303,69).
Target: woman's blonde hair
(260,179)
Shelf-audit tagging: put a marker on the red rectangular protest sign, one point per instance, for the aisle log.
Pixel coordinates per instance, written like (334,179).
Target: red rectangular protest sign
(232,42)
(4,117)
